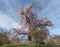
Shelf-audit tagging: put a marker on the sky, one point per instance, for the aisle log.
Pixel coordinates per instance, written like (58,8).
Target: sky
(50,8)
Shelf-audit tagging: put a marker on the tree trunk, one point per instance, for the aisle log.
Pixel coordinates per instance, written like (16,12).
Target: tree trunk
(29,38)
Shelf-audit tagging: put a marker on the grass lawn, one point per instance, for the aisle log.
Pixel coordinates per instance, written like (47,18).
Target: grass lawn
(29,45)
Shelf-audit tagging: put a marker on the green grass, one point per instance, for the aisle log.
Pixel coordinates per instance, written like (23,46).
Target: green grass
(28,45)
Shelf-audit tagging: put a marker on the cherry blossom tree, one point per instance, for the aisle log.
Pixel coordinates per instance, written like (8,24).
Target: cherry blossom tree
(30,21)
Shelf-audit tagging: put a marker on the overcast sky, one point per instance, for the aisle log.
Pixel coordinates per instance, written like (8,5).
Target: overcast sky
(9,18)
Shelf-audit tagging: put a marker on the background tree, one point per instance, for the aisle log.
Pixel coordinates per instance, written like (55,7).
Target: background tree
(4,38)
